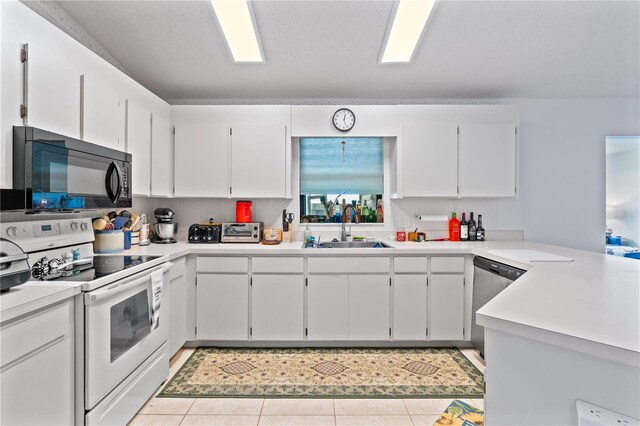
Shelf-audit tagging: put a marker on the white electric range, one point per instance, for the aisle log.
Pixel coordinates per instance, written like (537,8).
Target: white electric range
(120,342)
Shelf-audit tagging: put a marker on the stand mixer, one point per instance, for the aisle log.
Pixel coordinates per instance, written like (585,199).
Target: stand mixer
(165,228)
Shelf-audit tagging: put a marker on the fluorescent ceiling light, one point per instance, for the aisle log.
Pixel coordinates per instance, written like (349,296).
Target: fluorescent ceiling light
(408,25)
(236,22)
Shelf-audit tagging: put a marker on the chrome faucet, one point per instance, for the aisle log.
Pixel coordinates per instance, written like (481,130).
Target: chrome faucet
(343,234)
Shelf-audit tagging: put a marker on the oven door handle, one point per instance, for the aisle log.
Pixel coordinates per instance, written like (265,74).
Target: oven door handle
(114,289)
(113,195)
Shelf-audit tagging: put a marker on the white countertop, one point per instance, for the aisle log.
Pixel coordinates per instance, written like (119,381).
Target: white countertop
(591,304)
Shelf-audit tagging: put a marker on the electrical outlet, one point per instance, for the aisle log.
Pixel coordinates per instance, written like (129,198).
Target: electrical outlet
(405,222)
(593,415)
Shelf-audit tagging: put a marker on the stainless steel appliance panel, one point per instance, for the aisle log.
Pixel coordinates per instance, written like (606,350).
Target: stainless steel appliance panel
(489,279)
(241,232)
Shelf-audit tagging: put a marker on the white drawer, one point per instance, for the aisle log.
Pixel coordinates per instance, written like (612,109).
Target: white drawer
(179,268)
(25,336)
(357,265)
(447,264)
(277,264)
(410,264)
(222,264)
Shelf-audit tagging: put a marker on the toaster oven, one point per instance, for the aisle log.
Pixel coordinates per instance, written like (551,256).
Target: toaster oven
(242,232)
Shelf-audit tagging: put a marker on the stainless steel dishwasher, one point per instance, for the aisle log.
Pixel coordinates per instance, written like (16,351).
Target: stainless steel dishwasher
(489,279)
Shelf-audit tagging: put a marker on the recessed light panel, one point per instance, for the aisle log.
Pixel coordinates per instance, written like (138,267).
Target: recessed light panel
(407,27)
(236,21)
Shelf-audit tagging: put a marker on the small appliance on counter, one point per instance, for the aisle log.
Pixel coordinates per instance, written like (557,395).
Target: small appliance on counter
(14,266)
(205,233)
(244,210)
(242,232)
(165,228)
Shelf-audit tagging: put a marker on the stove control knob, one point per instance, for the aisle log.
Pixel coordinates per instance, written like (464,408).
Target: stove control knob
(12,231)
(74,226)
(84,226)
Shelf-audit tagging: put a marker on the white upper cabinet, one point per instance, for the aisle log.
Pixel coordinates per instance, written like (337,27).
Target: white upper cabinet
(258,160)
(487,160)
(430,159)
(162,158)
(201,160)
(102,114)
(53,92)
(139,146)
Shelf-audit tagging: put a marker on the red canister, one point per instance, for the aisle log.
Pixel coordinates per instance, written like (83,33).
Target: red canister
(243,211)
(401,236)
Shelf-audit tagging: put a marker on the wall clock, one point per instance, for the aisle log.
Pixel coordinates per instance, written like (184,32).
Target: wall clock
(344,119)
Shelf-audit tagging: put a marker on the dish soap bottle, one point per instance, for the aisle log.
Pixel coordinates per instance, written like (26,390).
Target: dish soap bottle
(307,235)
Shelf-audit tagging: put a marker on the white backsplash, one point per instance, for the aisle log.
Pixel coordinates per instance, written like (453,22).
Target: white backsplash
(497,214)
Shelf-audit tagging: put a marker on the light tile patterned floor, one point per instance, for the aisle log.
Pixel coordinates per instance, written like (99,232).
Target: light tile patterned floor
(293,412)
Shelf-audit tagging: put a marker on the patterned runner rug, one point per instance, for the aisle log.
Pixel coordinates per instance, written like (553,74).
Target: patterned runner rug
(327,373)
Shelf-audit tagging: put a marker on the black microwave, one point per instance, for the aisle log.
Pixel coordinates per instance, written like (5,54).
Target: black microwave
(56,172)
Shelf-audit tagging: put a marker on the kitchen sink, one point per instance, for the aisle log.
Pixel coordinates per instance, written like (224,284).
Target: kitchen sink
(355,244)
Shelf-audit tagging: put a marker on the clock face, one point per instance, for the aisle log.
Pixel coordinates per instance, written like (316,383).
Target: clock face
(344,119)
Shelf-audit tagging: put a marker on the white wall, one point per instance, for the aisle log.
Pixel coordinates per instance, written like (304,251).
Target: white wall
(562,166)
(51,48)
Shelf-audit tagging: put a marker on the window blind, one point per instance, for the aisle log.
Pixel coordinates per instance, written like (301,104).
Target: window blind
(341,165)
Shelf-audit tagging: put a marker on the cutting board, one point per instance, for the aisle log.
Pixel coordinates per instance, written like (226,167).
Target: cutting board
(529,255)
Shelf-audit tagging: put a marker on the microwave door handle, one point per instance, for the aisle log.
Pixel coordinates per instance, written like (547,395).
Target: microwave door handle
(113,195)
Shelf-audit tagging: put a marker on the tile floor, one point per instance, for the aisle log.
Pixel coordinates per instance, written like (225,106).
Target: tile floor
(294,412)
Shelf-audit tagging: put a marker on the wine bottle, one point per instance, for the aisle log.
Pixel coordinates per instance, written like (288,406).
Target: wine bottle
(480,230)
(454,228)
(464,228)
(472,228)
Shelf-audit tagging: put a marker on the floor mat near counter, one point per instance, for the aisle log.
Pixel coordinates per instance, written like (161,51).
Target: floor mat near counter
(326,373)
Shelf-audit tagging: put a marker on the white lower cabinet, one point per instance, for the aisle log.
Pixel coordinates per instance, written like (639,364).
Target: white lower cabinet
(369,307)
(222,307)
(446,307)
(277,307)
(410,307)
(328,307)
(37,379)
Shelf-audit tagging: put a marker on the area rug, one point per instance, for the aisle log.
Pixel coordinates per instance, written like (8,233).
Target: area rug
(326,373)
(459,413)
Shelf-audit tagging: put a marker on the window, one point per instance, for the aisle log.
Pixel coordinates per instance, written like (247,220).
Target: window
(336,172)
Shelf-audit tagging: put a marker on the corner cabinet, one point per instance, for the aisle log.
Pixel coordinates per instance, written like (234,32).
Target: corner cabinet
(138,138)
(258,160)
(161,161)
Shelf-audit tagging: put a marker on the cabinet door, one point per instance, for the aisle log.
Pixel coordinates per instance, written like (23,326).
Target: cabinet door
(222,307)
(328,307)
(258,160)
(201,160)
(369,307)
(410,307)
(162,158)
(430,160)
(39,390)
(54,91)
(178,310)
(446,307)
(102,114)
(487,164)
(139,146)
(277,307)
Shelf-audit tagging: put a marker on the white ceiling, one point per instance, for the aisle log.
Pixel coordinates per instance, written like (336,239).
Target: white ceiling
(329,50)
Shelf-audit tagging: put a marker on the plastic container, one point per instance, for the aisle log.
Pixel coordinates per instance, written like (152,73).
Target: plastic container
(107,242)
(127,239)
(244,209)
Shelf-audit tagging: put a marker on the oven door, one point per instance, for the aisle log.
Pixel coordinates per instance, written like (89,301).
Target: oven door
(119,336)
(63,178)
